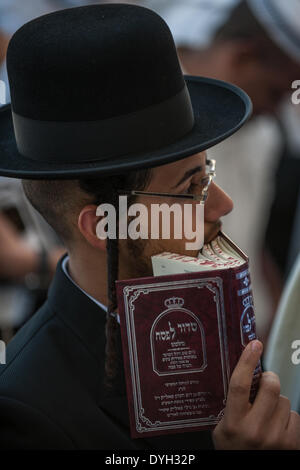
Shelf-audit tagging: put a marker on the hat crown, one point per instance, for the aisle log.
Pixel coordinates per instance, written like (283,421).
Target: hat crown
(92,63)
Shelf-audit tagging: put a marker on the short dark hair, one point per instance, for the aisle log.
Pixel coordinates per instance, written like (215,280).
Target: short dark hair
(241,24)
(54,198)
(55,201)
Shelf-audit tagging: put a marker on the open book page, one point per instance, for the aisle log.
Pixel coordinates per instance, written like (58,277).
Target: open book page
(218,254)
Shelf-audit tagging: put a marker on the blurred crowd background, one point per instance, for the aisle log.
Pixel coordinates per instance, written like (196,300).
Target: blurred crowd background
(259,167)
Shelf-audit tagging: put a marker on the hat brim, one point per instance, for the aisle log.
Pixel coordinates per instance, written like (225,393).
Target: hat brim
(220,109)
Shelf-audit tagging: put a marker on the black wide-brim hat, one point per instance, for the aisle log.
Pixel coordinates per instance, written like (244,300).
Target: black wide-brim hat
(99,90)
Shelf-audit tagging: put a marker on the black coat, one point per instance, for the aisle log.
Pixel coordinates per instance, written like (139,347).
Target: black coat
(52,391)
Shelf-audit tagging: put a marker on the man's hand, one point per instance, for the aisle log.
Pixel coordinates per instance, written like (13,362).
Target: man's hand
(268,423)
(17,258)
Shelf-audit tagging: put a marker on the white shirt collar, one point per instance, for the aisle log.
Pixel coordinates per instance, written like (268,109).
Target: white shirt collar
(64,266)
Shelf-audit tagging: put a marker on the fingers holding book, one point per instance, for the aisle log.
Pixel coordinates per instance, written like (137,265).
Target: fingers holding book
(268,423)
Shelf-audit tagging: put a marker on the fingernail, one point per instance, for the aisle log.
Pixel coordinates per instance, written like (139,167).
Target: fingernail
(256,346)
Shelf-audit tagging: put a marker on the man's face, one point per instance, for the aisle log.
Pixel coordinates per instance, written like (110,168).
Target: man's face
(175,178)
(267,77)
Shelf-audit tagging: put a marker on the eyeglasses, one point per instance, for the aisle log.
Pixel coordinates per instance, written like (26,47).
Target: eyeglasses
(203,186)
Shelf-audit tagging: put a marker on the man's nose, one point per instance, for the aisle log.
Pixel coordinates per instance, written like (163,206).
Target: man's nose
(217,204)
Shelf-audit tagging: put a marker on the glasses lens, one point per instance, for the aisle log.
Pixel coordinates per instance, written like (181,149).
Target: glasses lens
(205,181)
(211,168)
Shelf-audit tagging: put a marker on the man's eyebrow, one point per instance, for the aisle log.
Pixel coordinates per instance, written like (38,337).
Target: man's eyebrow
(188,174)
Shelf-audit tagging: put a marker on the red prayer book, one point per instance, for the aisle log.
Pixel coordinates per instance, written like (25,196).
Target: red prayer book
(182,336)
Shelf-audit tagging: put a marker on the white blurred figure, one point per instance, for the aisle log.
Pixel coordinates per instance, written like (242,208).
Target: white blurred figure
(282,355)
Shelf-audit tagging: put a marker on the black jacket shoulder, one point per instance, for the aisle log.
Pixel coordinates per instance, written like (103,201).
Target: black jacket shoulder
(53,393)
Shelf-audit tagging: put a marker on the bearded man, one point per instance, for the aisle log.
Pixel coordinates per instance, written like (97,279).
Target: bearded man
(100,108)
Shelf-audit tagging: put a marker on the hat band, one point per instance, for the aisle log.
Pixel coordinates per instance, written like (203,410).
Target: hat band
(88,141)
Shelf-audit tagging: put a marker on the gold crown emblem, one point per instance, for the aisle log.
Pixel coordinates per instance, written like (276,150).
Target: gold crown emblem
(174,302)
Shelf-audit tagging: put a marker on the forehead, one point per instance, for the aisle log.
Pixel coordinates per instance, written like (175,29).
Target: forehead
(171,173)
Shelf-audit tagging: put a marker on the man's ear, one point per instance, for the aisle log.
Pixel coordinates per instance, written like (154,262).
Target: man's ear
(87,224)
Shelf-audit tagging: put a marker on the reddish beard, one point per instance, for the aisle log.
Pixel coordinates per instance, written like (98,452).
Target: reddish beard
(211,233)
(137,257)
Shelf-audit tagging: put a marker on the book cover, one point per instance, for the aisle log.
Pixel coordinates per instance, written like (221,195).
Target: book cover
(182,335)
